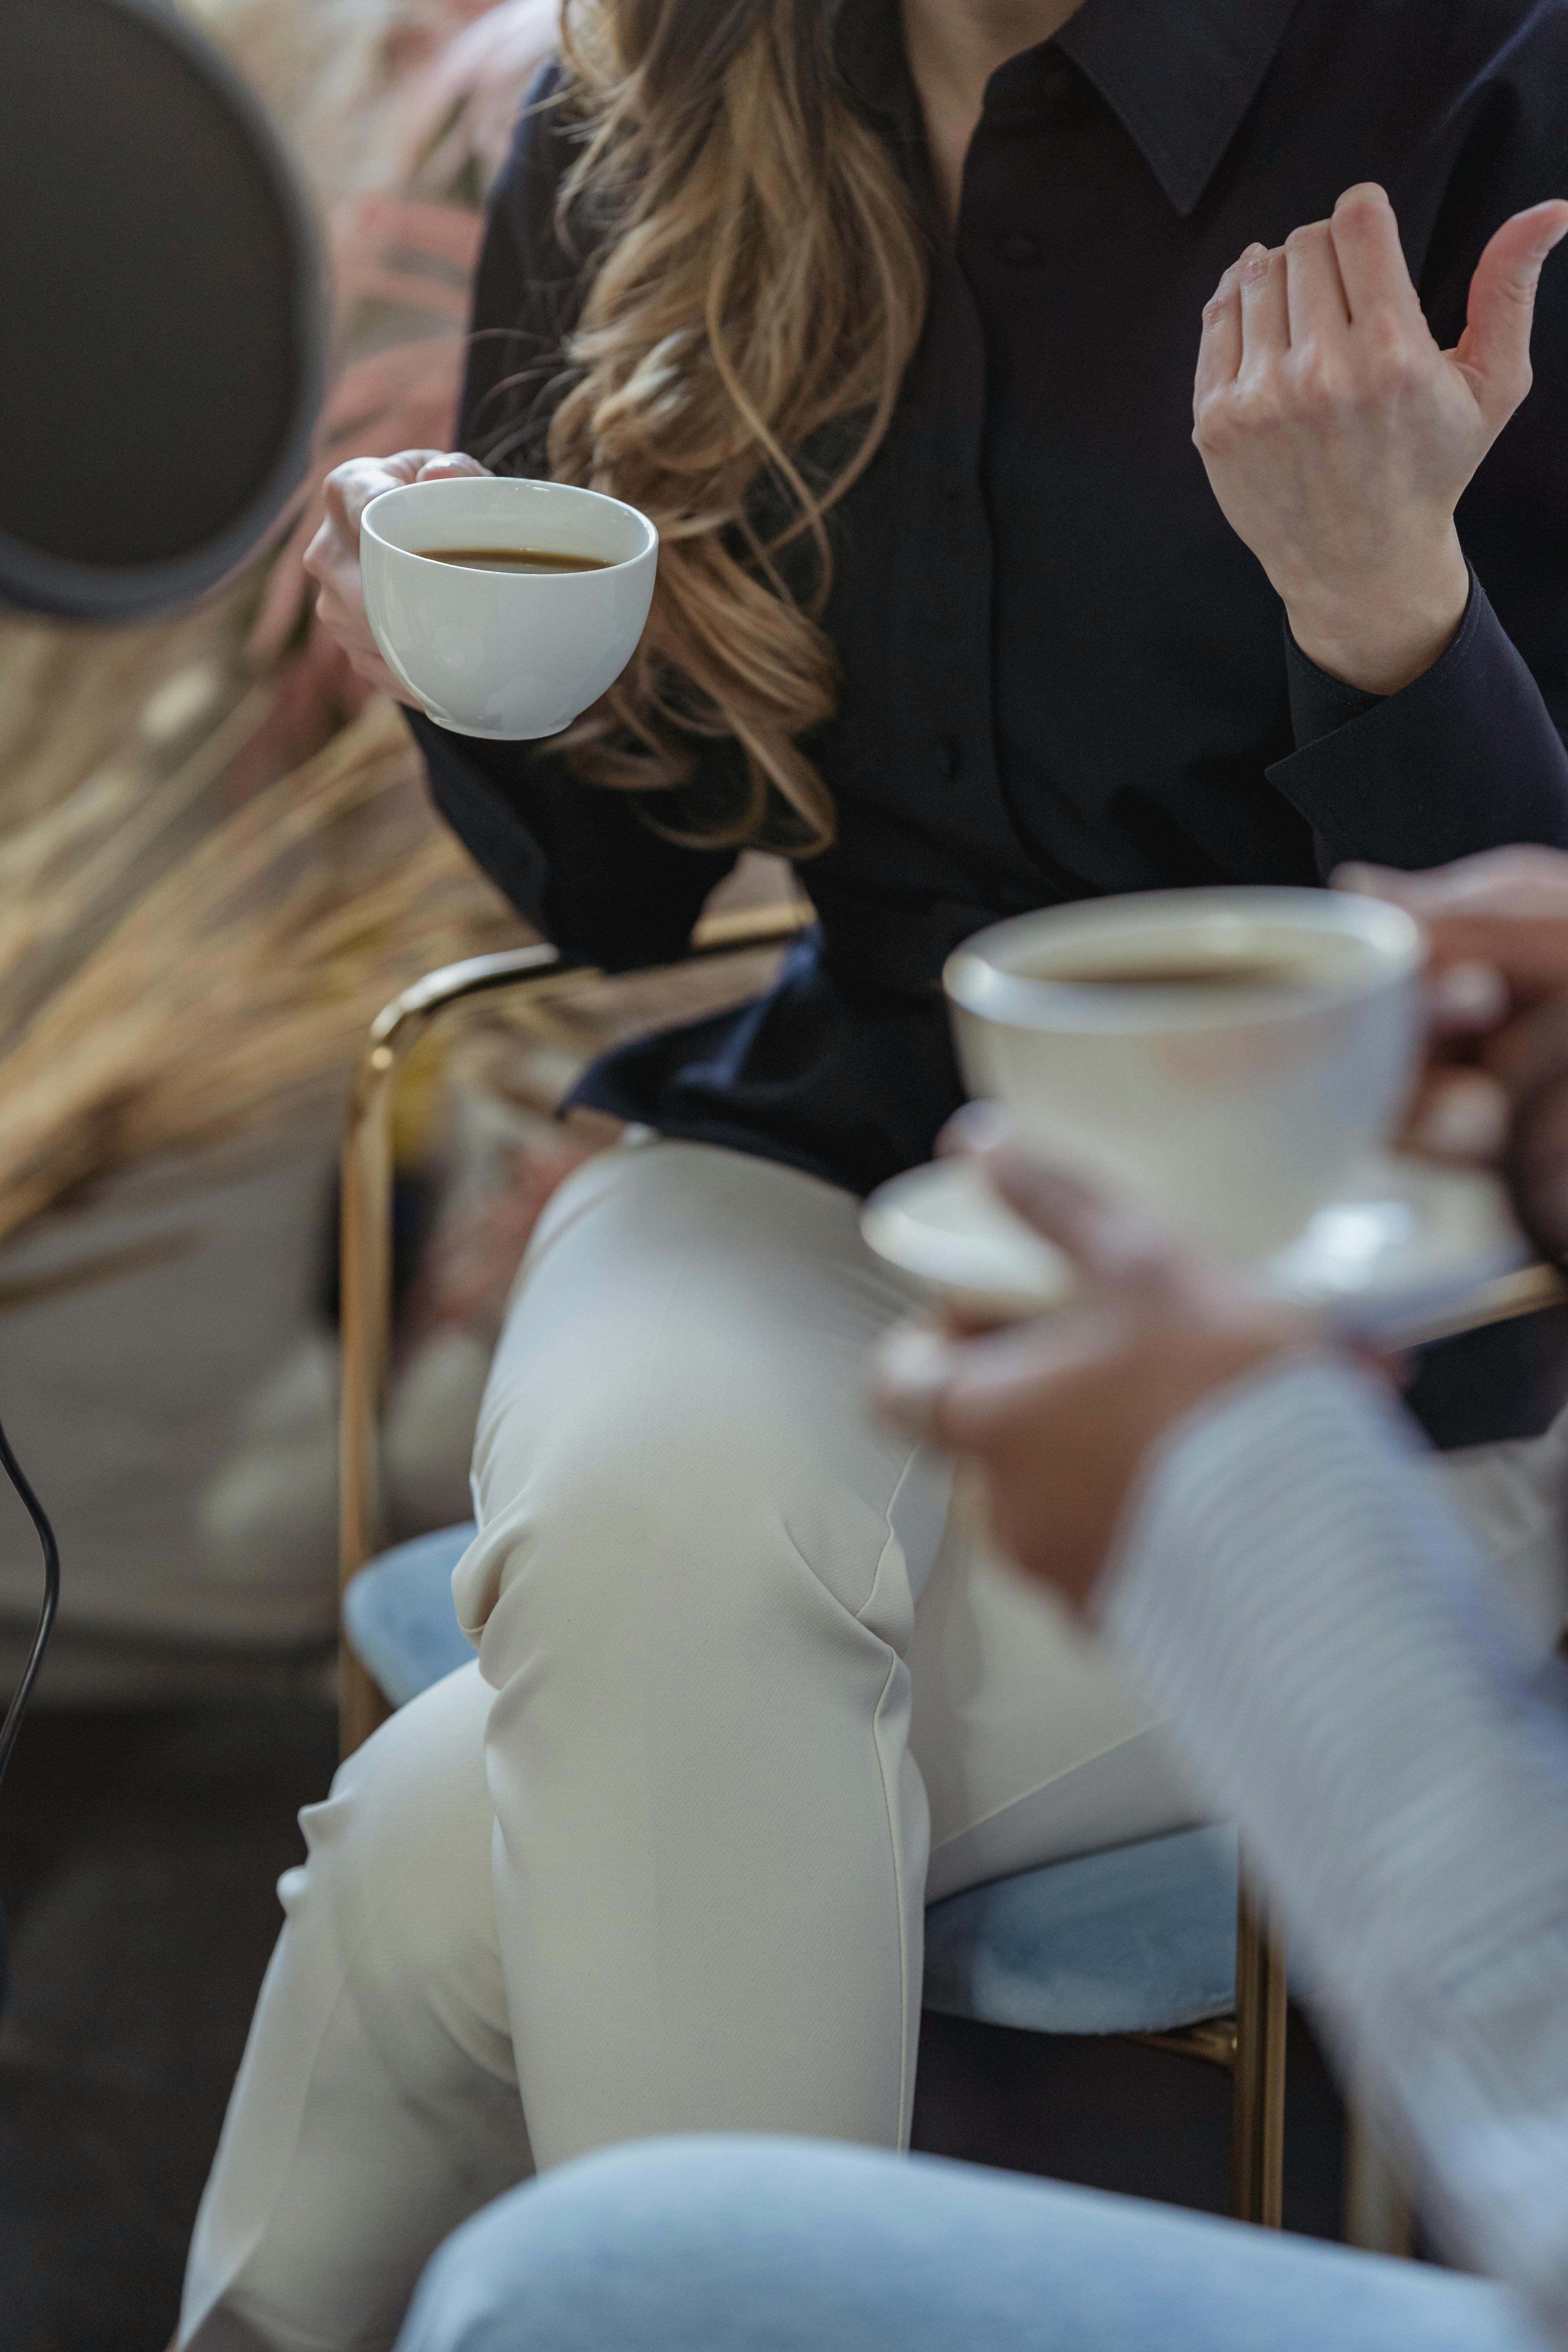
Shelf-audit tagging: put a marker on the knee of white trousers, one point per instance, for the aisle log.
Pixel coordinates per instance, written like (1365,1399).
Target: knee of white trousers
(693,1582)
(699,1479)
(682,1391)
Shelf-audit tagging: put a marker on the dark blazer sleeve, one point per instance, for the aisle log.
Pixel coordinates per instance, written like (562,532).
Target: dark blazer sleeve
(579,862)
(1472,753)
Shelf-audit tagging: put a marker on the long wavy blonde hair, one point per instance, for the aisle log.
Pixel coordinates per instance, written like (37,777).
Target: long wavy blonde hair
(756,285)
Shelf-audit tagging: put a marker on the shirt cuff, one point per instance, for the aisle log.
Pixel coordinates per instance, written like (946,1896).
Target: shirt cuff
(1465,757)
(1320,703)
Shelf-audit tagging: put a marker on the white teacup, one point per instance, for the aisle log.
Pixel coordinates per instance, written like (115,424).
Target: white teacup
(1224,1055)
(508,655)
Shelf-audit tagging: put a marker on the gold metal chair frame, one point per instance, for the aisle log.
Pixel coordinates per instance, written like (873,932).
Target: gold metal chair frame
(1250,2045)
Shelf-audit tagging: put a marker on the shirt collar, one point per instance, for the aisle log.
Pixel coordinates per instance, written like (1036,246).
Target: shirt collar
(1179,75)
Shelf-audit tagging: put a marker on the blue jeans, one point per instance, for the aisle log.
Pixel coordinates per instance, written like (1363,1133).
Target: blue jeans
(759,2245)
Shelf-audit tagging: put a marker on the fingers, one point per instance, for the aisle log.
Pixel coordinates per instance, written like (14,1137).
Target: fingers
(1532,1051)
(1460,1115)
(1538,1170)
(350,488)
(1370,260)
(1219,351)
(332,558)
(340,609)
(1527,953)
(1116,1245)
(456,465)
(1507,909)
(1494,349)
(954,1394)
(1507,883)
(1466,1000)
(1265,309)
(1315,297)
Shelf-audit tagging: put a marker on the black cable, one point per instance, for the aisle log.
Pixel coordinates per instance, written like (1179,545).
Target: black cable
(23,1690)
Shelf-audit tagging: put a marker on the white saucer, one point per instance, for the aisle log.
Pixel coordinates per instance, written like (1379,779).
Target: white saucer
(1405,1238)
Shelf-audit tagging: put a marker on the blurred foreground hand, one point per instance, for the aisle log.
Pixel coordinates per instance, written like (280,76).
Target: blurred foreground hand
(1495,1091)
(1060,1413)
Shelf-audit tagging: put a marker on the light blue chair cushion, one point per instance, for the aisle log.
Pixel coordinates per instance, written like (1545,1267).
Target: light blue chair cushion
(1140,1940)
(399,1618)
(1137,1940)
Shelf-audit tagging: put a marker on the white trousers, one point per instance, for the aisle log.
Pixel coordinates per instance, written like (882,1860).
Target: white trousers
(656,1861)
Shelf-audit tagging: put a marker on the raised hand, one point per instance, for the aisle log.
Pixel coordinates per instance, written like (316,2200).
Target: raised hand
(1339,439)
(332,556)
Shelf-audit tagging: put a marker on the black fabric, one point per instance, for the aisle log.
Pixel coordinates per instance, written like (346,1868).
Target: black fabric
(1062,673)
(1318,701)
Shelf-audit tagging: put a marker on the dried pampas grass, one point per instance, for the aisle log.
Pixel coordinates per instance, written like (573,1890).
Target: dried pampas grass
(251,970)
(382,95)
(216,863)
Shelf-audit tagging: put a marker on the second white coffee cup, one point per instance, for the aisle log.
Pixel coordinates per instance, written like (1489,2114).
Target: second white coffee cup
(508,654)
(1226,1055)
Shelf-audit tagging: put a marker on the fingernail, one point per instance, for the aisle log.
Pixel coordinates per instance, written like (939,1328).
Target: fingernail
(1474,993)
(1363,881)
(978,1126)
(912,1369)
(1465,1119)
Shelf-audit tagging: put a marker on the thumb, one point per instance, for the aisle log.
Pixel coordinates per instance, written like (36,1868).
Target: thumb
(1494,351)
(453,466)
(1112,1241)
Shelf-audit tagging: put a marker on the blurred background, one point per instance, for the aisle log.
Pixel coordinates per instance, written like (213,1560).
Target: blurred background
(217,863)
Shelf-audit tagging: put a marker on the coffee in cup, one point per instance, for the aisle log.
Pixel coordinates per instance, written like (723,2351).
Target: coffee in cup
(513,559)
(1224,1055)
(505,607)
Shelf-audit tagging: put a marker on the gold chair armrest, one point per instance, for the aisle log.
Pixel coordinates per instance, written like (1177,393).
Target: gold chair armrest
(1502,1300)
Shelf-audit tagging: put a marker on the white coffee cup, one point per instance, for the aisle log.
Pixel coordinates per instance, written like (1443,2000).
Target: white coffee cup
(1233,1106)
(508,654)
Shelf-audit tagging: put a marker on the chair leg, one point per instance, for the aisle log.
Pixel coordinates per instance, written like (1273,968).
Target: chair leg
(1257,2114)
(361,1705)
(1378,2216)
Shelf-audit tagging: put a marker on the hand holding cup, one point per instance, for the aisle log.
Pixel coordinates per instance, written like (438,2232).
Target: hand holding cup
(1495,1088)
(332,557)
(1060,1415)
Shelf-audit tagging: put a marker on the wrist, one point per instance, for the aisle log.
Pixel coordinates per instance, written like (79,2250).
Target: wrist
(1382,632)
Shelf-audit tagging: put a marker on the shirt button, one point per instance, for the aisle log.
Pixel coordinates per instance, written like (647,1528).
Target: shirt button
(1022,252)
(946,760)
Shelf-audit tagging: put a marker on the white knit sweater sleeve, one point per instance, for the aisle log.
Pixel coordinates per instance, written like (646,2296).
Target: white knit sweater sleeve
(1294,1591)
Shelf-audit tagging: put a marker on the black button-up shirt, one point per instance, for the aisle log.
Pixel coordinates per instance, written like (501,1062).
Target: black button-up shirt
(1063,675)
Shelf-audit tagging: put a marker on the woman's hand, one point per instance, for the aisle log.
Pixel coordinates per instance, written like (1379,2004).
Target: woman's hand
(1060,1414)
(1496,1086)
(332,556)
(1339,439)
